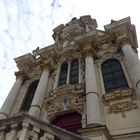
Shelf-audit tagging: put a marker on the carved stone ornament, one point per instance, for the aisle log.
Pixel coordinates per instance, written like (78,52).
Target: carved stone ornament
(104,49)
(20,74)
(120,101)
(82,62)
(45,66)
(64,35)
(65,98)
(122,107)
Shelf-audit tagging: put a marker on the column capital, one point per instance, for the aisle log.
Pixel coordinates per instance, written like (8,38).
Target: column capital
(88,49)
(45,66)
(20,75)
(88,52)
(123,41)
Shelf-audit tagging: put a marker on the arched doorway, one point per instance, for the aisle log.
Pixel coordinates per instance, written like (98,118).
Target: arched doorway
(71,121)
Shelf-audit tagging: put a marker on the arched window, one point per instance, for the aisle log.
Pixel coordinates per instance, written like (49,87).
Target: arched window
(74,72)
(113,75)
(63,74)
(29,96)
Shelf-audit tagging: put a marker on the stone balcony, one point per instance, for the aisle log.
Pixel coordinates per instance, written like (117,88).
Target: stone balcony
(37,130)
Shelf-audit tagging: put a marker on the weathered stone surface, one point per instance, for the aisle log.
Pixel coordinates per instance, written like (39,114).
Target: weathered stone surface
(105,116)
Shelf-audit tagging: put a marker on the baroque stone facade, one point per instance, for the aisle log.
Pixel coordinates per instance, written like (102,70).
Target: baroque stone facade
(84,86)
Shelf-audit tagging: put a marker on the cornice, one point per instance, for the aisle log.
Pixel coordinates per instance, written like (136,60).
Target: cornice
(25,63)
(121,31)
(72,39)
(121,22)
(87,37)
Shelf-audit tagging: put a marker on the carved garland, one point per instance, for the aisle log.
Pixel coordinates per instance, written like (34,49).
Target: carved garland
(120,101)
(122,107)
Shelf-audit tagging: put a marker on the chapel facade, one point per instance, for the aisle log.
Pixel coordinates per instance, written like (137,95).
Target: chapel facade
(85,86)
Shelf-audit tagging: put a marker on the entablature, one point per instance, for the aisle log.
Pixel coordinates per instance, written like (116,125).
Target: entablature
(122,31)
(25,62)
(77,37)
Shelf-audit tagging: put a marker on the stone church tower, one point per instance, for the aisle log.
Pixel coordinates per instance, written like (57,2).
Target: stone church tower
(85,86)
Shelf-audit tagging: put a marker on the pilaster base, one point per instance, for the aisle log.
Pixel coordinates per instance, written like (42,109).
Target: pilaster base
(34,111)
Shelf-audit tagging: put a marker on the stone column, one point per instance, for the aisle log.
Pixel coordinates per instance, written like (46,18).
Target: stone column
(35,133)
(2,136)
(40,93)
(57,77)
(24,131)
(12,134)
(2,132)
(92,98)
(133,66)
(68,72)
(47,136)
(8,104)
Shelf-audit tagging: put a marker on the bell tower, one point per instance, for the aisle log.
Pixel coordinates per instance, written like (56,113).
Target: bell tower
(85,86)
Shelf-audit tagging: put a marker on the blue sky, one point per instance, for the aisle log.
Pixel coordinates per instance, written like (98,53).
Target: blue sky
(27,24)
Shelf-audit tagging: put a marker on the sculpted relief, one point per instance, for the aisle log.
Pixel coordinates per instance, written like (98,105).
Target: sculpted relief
(120,101)
(65,99)
(64,34)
